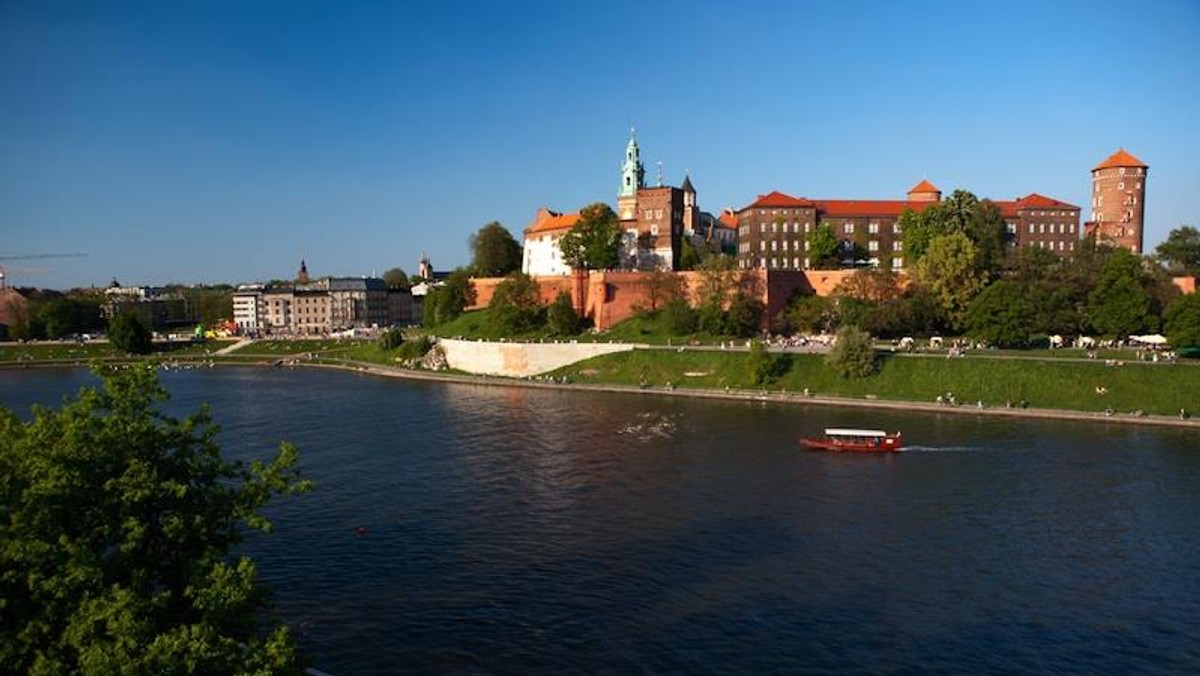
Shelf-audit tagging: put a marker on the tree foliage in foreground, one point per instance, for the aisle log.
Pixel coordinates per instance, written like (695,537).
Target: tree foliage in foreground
(516,305)
(853,355)
(561,318)
(1181,250)
(1002,315)
(446,302)
(1182,321)
(115,546)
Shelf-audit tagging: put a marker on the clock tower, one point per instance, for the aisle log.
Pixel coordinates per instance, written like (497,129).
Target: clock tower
(633,176)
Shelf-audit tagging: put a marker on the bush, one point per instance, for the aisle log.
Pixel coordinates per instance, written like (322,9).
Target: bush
(515,306)
(561,318)
(763,366)
(853,355)
(415,348)
(391,339)
(744,318)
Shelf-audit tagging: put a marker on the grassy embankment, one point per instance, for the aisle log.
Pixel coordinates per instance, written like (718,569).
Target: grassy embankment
(1154,388)
(72,352)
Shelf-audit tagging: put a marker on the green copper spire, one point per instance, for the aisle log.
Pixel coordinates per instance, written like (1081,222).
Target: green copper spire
(633,174)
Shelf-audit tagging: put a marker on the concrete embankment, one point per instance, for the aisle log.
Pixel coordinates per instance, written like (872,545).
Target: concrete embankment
(520,360)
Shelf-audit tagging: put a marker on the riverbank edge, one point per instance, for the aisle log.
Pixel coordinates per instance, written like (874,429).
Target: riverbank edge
(753,396)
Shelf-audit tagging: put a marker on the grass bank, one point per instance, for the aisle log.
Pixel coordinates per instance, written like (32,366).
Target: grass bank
(1084,385)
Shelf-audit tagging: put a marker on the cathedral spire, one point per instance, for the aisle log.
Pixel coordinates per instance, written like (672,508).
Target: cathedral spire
(633,174)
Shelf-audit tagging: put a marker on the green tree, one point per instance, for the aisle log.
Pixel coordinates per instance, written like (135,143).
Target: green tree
(814,314)
(957,212)
(1182,321)
(853,355)
(395,278)
(516,306)
(823,247)
(689,257)
(762,365)
(949,271)
(681,319)
(594,242)
(1119,305)
(117,539)
(494,251)
(447,302)
(987,231)
(1002,315)
(561,318)
(128,334)
(920,228)
(1181,250)
(744,317)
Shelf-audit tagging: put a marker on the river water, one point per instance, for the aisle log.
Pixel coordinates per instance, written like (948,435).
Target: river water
(467,529)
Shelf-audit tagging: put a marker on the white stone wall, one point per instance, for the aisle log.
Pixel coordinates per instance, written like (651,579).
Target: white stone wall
(517,360)
(542,256)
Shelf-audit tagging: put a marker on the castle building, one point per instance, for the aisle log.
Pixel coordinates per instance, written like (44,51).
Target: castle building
(775,231)
(1118,201)
(654,220)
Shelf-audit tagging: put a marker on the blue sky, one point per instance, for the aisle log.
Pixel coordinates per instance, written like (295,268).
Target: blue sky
(223,142)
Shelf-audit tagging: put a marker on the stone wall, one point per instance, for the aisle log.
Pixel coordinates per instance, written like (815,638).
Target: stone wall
(517,360)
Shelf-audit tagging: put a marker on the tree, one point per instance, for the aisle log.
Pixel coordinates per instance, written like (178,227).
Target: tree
(870,284)
(128,334)
(1002,314)
(957,211)
(949,271)
(987,231)
(561,318)
(1182,321)
(516,305)
(689,257)
(594,242)
(853,355)
(762,366)
(117,539)
(1181,250)
(920,228)
(494,251)
(823,246)
(814,314)
(447,302)
(744,318)
(1119,305)
(680,317)
(395,278)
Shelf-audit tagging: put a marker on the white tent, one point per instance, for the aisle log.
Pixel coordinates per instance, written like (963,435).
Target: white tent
(1150,339)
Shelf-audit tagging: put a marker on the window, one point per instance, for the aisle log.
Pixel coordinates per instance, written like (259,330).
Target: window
(848,228)
(774,228)
(898,262)
(795,262)
(762,246)
(1031,228)
(1121,185)
(896,230)
(762,227)
(807,263)
(1041,228)
(806,249)
(897,246)
(873,228)
(806,224)
(1072,228)
(1121,171)
(773,245)
(873,245)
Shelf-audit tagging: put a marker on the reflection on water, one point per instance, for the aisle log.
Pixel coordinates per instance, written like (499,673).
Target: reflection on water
(473,529)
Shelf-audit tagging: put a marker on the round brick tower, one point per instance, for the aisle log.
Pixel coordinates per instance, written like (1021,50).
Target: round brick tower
(1118,201)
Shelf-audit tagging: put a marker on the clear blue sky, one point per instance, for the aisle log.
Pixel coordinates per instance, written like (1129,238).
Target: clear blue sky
(214,141)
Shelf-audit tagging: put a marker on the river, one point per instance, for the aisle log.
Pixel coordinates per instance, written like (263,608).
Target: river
(460,528)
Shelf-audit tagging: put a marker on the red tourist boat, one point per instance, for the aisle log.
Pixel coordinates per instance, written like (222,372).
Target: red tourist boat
(839,439)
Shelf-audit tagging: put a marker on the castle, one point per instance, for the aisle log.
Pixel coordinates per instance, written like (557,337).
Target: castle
(773,232)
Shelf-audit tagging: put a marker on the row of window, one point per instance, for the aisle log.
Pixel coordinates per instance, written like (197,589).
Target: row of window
(805,263)
(872,245)
(1061,245)
(1063,228)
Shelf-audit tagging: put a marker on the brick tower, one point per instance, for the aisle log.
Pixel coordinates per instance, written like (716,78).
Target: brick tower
(1118,201)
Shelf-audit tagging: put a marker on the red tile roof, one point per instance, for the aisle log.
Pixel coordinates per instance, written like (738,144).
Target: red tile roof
(551,221)
(1036,201)
(778,199)
(852,208)
(924,186)
(1120,159)
(729,219)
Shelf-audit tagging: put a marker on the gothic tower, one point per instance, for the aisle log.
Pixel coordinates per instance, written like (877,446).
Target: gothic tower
(1118,201)
(633,176)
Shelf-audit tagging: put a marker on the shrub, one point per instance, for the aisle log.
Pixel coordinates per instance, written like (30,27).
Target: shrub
(853,355)
(561,318)
(391,339)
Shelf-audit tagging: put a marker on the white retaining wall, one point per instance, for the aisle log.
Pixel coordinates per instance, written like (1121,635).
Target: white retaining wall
(518,360)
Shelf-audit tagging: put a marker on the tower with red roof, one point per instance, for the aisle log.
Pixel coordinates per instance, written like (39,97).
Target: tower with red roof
(1118,201)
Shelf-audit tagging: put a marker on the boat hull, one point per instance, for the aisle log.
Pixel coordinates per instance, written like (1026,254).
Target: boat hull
(887,445)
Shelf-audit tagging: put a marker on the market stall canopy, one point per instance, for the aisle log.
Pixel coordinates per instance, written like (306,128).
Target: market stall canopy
(1150,339)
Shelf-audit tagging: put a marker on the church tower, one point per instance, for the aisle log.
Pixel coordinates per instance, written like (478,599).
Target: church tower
(1118,201)
(633,176)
